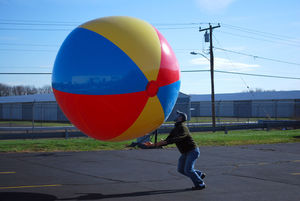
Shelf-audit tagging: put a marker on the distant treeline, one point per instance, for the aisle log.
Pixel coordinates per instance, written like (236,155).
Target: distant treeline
(257,90)
(7,90)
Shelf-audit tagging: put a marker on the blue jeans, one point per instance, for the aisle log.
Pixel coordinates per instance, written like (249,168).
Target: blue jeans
(186,165)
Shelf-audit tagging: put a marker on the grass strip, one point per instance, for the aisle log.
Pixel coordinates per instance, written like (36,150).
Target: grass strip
(243,137)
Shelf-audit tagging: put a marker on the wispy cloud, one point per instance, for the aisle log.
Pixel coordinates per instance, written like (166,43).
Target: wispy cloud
(214,5)
(225,64)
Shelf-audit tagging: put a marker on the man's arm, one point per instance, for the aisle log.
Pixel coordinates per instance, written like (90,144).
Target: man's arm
(158,144)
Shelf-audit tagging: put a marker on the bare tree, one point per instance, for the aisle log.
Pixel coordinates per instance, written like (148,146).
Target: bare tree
(258,90)
(20,90)
(47,89)
(30,90)
(6,90)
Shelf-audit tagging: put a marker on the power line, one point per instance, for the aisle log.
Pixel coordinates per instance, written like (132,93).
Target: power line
(14,67)
(179,24)
(244,81)
(30,29)
(44,50)
(25,73)
(186,71)
(27,50)
(238,73)
(28,44)
(259,75)
(37,21)
(36,24)
(258,57)
(187,25)
(194,71)
(262,39)
(53,46)
(76,24)
(170,28)
(222,49)
(226,53)
(262,33)
(48,29)
(163,26)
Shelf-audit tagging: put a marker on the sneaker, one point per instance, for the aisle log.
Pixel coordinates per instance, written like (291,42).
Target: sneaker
(198,187)
(203,175)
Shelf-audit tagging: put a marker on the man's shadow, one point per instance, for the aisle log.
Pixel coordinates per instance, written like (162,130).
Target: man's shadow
(98,196)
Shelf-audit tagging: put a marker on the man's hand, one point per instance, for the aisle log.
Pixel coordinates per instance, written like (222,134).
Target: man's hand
(148,144)
(161,143)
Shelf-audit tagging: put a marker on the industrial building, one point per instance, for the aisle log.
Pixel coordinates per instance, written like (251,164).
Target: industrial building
(275,104)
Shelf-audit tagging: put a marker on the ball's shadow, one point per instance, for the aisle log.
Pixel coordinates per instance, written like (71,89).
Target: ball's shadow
(22,196)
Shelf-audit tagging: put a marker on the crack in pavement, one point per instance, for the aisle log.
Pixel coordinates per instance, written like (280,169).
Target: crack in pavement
(73,172)
(94,176)
(262,179)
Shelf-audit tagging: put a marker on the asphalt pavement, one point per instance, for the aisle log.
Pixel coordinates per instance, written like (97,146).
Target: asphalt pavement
(247,173)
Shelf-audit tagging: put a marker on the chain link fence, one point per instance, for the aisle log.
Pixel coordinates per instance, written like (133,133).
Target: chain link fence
(46,120)
(45,114)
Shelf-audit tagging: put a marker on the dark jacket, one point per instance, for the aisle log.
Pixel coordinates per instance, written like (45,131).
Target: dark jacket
(180,135)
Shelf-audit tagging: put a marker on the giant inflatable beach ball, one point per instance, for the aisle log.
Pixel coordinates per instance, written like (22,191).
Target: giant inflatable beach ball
(116,78)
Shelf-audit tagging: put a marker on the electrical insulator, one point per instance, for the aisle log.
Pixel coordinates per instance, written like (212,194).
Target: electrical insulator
(206,37)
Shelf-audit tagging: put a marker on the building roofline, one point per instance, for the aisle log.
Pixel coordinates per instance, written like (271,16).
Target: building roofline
(269,95)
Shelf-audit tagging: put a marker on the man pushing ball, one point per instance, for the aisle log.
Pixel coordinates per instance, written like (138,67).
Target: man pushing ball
(180,135)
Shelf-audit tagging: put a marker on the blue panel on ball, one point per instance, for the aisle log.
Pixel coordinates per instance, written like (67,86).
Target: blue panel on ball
(167,96)
(87,63)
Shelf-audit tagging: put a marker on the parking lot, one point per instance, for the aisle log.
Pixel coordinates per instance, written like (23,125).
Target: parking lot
(252,172)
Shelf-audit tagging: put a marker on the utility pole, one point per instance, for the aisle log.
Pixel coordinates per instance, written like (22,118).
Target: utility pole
(213,111)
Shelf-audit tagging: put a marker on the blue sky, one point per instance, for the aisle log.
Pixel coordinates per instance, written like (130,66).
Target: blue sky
(31,32)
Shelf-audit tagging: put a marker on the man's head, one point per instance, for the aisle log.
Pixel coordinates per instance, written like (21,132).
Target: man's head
(181,116)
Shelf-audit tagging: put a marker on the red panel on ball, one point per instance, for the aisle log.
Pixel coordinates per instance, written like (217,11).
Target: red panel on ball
(169,68)
(95,115)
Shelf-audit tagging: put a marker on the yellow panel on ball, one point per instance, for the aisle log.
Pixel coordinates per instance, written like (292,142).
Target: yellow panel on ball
(137,38)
